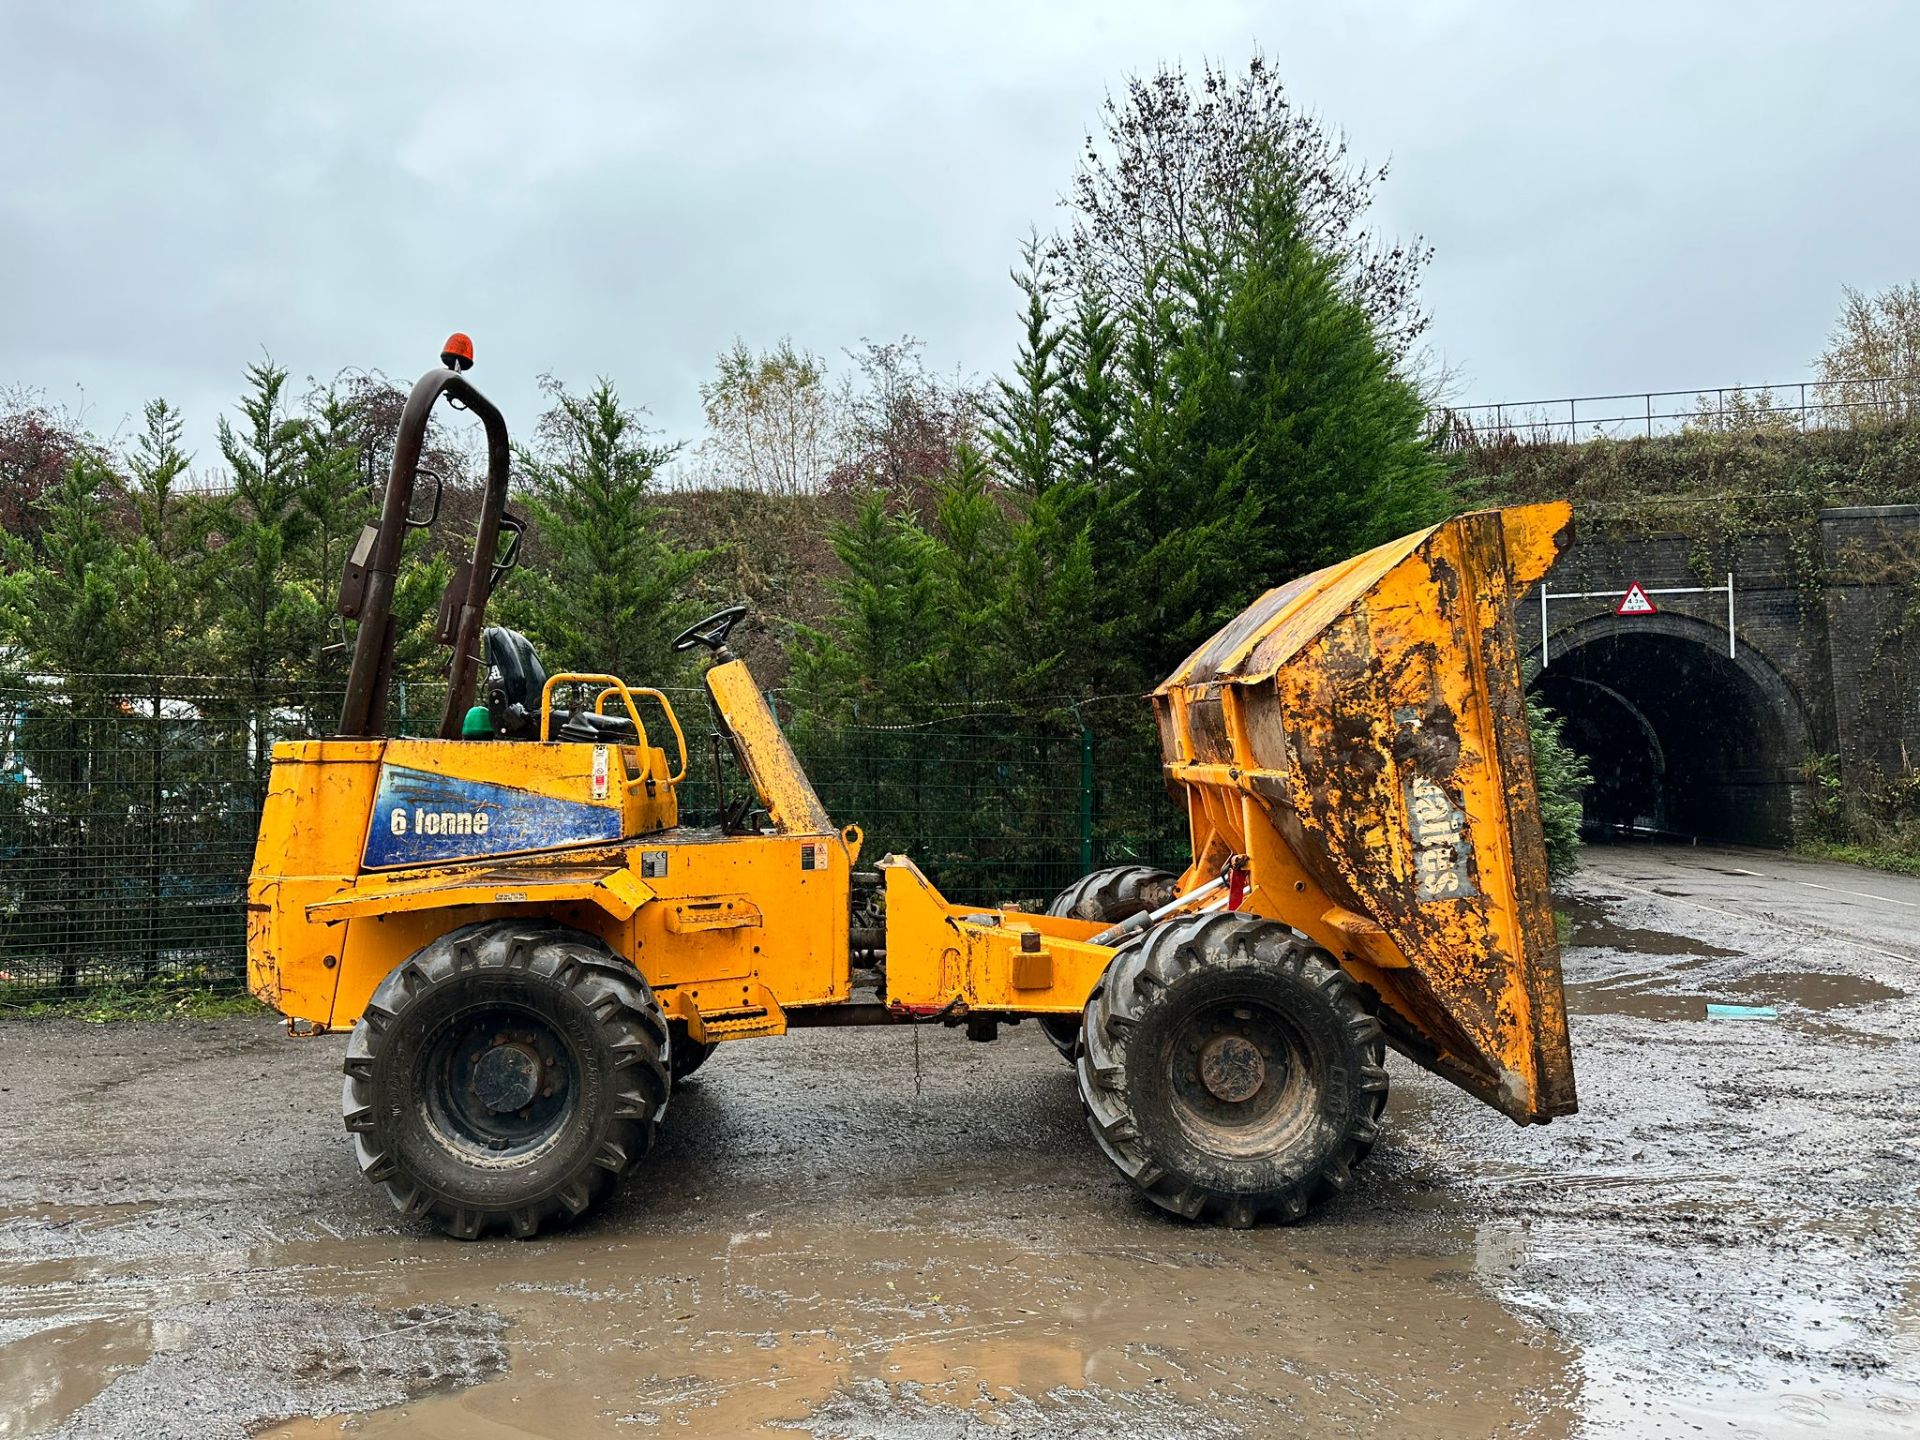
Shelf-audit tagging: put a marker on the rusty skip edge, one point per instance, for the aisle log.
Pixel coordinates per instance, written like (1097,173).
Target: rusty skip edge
(1554,1092)
(1487,590)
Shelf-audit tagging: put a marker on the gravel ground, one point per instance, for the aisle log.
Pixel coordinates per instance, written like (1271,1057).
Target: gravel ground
(888,1233)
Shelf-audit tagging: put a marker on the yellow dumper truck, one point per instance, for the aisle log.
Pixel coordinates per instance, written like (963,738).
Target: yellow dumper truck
(532,947)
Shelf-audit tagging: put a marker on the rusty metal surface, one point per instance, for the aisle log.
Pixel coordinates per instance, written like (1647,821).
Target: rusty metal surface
(1361,733)
(371,579)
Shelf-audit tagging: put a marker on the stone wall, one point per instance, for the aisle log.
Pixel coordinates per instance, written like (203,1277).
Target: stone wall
(1822,662)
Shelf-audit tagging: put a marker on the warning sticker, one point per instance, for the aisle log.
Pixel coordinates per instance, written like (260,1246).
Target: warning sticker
(1635,602)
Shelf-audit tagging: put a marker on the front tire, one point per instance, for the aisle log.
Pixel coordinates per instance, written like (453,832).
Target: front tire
(1117,893)
(1229,1069)
(506,1077)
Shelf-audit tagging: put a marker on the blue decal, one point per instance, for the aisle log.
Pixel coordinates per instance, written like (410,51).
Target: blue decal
(420,818)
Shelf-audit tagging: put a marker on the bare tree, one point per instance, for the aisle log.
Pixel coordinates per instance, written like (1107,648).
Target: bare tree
(773,419)
(1871,365)
(1175,164)
(905,425)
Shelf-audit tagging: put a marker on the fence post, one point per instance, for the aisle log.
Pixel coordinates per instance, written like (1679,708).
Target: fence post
(1086,799)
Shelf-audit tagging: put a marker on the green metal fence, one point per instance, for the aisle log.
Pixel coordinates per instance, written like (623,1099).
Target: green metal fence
(127,817)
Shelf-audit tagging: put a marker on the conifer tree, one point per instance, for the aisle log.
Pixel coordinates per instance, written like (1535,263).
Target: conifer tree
(166,595)
(607,590)
(1026,407)
(335,504)
(873,659)
(65,607)
(970,556)
(1090,387)
(266,622)
(166,609)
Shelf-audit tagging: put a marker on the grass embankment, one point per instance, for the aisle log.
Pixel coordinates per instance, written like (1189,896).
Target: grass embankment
(1900,861)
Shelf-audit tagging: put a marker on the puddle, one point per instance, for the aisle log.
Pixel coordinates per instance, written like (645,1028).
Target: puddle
(1813,990)
(822,1331)
(47,1376)
(1593,925)
(1602,980)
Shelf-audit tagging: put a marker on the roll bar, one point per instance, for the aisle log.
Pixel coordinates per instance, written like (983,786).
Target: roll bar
(366,589)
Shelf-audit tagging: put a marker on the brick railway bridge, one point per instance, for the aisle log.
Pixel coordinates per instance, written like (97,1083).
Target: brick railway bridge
(1694,730)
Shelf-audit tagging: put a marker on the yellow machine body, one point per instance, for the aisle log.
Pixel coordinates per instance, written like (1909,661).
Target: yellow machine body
(1354,746)
(728,929)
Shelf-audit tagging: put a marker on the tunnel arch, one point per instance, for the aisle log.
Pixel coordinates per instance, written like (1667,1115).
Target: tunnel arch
(1681,736)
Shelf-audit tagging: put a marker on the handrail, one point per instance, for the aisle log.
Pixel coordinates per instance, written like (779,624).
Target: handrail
(612,684)
(666,708)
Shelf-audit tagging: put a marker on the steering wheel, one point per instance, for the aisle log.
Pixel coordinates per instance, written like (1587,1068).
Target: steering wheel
(711,632)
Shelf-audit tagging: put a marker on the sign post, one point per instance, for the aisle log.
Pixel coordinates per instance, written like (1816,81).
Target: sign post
(1637,600)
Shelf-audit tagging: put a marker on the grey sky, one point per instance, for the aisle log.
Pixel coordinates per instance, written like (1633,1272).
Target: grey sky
(1621,196)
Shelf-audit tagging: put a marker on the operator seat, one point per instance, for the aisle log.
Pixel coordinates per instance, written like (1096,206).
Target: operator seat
(515,679)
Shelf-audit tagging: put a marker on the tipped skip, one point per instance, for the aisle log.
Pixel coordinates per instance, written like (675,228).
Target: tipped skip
(1374,713)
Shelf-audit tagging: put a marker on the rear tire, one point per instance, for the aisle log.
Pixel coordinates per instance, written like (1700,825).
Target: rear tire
(1229,1070)
(506,1077)
(1117,893)
(689,1054)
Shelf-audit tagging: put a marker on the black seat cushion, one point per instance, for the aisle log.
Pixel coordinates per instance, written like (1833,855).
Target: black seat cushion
(586,726)
(515,679)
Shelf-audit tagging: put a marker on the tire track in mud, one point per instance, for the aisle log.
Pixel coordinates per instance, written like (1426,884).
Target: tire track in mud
(1725,1230)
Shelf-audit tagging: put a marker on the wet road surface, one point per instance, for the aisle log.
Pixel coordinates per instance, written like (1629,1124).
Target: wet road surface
(884,1233)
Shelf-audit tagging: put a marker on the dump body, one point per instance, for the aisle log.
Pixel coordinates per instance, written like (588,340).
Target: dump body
(1360,735)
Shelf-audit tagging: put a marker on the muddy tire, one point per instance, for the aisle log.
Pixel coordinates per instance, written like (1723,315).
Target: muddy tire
(1230,1071)
(689,1054)
(1109,896)
(506,1077)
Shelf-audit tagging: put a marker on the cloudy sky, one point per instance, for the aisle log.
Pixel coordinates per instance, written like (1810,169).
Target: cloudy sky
(1622,197)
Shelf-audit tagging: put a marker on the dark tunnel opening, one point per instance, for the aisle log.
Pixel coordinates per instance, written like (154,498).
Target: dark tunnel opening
(1681,738)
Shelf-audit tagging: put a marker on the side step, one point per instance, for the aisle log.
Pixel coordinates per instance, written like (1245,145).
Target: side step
(747,1012)
(742,1024)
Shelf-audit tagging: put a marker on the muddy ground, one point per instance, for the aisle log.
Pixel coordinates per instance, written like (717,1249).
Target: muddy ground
(884,1233)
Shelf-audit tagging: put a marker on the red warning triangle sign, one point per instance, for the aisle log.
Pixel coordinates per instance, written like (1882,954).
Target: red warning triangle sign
(1635,602)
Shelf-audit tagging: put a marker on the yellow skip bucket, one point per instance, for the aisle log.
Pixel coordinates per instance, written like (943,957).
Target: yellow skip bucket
(1360,735)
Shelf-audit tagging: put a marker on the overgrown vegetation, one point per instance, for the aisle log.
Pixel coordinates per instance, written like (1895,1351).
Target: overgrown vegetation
(109,1003)
(1875,824)
(1900,859)
(1560,773)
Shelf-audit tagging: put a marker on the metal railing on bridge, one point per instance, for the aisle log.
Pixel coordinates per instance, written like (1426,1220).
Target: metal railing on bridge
(1793,405)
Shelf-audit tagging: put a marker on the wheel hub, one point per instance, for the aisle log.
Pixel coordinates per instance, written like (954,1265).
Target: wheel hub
(1232,1068)
(507,1077)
